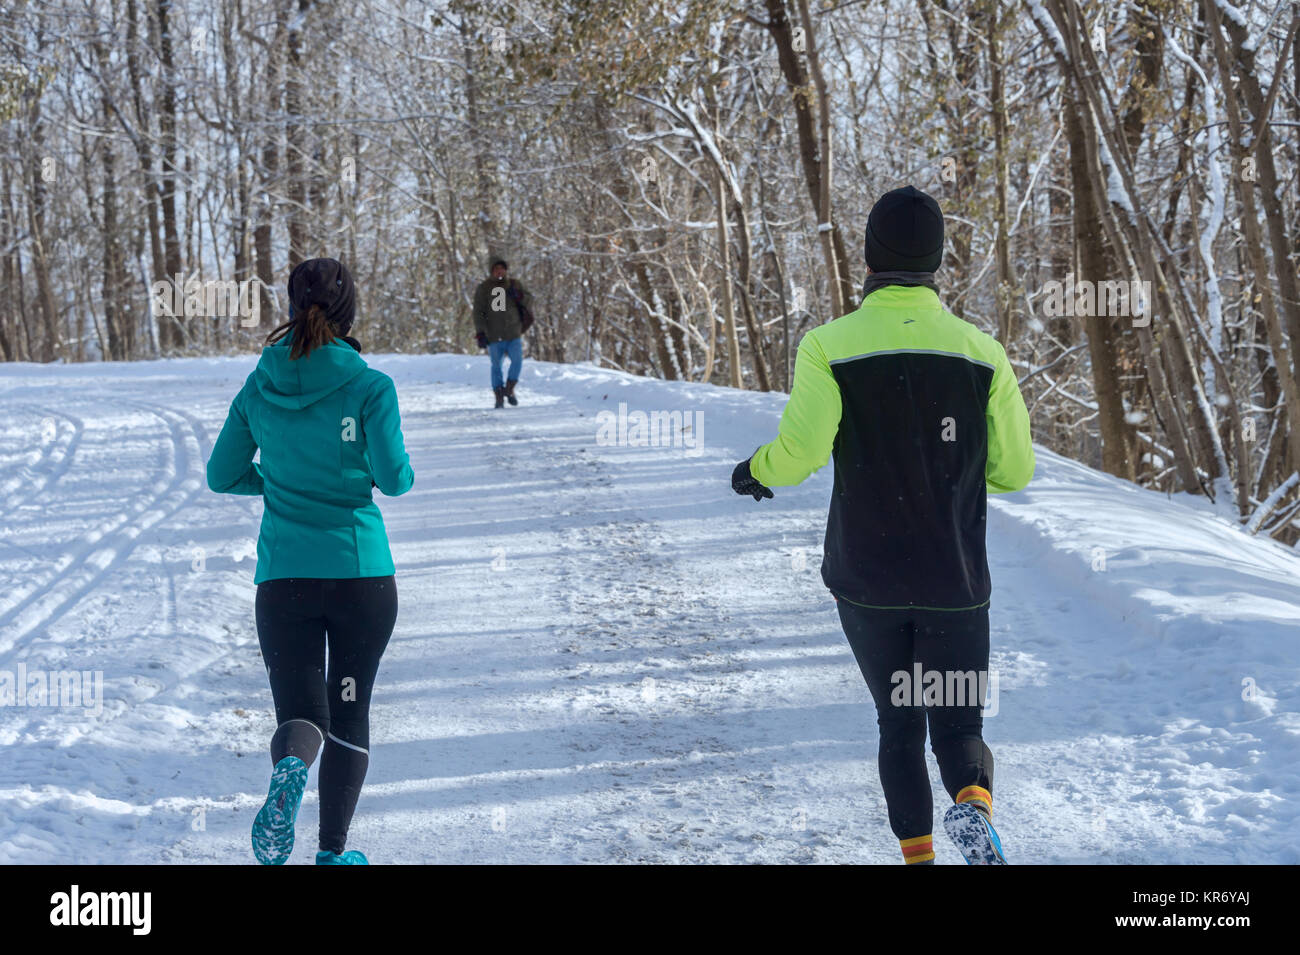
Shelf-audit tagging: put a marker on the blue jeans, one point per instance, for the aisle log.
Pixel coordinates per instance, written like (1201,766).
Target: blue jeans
(514,348)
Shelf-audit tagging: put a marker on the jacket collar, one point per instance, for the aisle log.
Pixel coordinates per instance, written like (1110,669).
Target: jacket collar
(878,280)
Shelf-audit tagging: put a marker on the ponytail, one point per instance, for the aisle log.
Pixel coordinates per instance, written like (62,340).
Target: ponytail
(310,329)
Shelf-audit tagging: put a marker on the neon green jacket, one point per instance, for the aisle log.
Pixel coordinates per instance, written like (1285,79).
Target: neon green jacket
(924,417)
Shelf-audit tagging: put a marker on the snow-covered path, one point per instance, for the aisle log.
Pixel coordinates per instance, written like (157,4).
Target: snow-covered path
(603,654)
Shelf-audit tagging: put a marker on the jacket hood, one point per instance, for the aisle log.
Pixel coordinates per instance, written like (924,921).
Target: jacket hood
(297,384)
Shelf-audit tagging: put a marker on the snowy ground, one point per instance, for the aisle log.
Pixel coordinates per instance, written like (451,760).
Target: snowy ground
(603,654)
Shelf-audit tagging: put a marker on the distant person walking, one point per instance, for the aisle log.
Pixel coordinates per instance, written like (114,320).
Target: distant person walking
(328,430)
(924,417)
(502,313)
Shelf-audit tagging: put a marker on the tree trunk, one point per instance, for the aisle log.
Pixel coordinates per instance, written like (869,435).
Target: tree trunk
(269,174)
(170,332)
(1118,437)
(811,151)
(1005,297)
(1281,342)
(296,136)
(728,305)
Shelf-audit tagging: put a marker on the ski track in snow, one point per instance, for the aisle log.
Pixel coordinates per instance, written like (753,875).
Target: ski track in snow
(602,654)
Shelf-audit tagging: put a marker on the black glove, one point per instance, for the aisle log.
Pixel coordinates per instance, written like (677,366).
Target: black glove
(482,340)
(742,482)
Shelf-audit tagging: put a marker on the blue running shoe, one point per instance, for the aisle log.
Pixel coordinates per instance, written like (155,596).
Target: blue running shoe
(273,827)
(974,835)
(351,857)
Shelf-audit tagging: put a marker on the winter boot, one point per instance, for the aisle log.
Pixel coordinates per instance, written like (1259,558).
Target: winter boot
(510,391)
(501,397)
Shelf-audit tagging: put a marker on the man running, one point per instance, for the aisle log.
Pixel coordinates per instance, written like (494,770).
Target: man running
(924,416)
(501,316)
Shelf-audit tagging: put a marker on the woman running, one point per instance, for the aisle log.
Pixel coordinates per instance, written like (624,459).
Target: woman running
(328,430)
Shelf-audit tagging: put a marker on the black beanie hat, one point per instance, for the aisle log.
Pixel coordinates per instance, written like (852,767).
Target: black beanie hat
(496,262)
(905,232)
(327,283)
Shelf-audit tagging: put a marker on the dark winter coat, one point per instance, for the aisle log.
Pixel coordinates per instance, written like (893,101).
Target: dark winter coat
(495,312)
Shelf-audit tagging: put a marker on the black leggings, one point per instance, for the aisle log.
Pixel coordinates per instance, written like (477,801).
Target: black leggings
(297,619)
(953,643)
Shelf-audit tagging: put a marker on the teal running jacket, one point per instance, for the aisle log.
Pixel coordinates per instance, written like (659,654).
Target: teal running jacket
(327,428)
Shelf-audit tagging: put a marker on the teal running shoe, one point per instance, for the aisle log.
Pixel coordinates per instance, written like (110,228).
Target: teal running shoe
(273,827)
(974,835)
(351,857)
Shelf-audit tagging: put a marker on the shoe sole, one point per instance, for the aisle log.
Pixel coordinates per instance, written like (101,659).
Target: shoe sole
(273,829)
(974,838)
